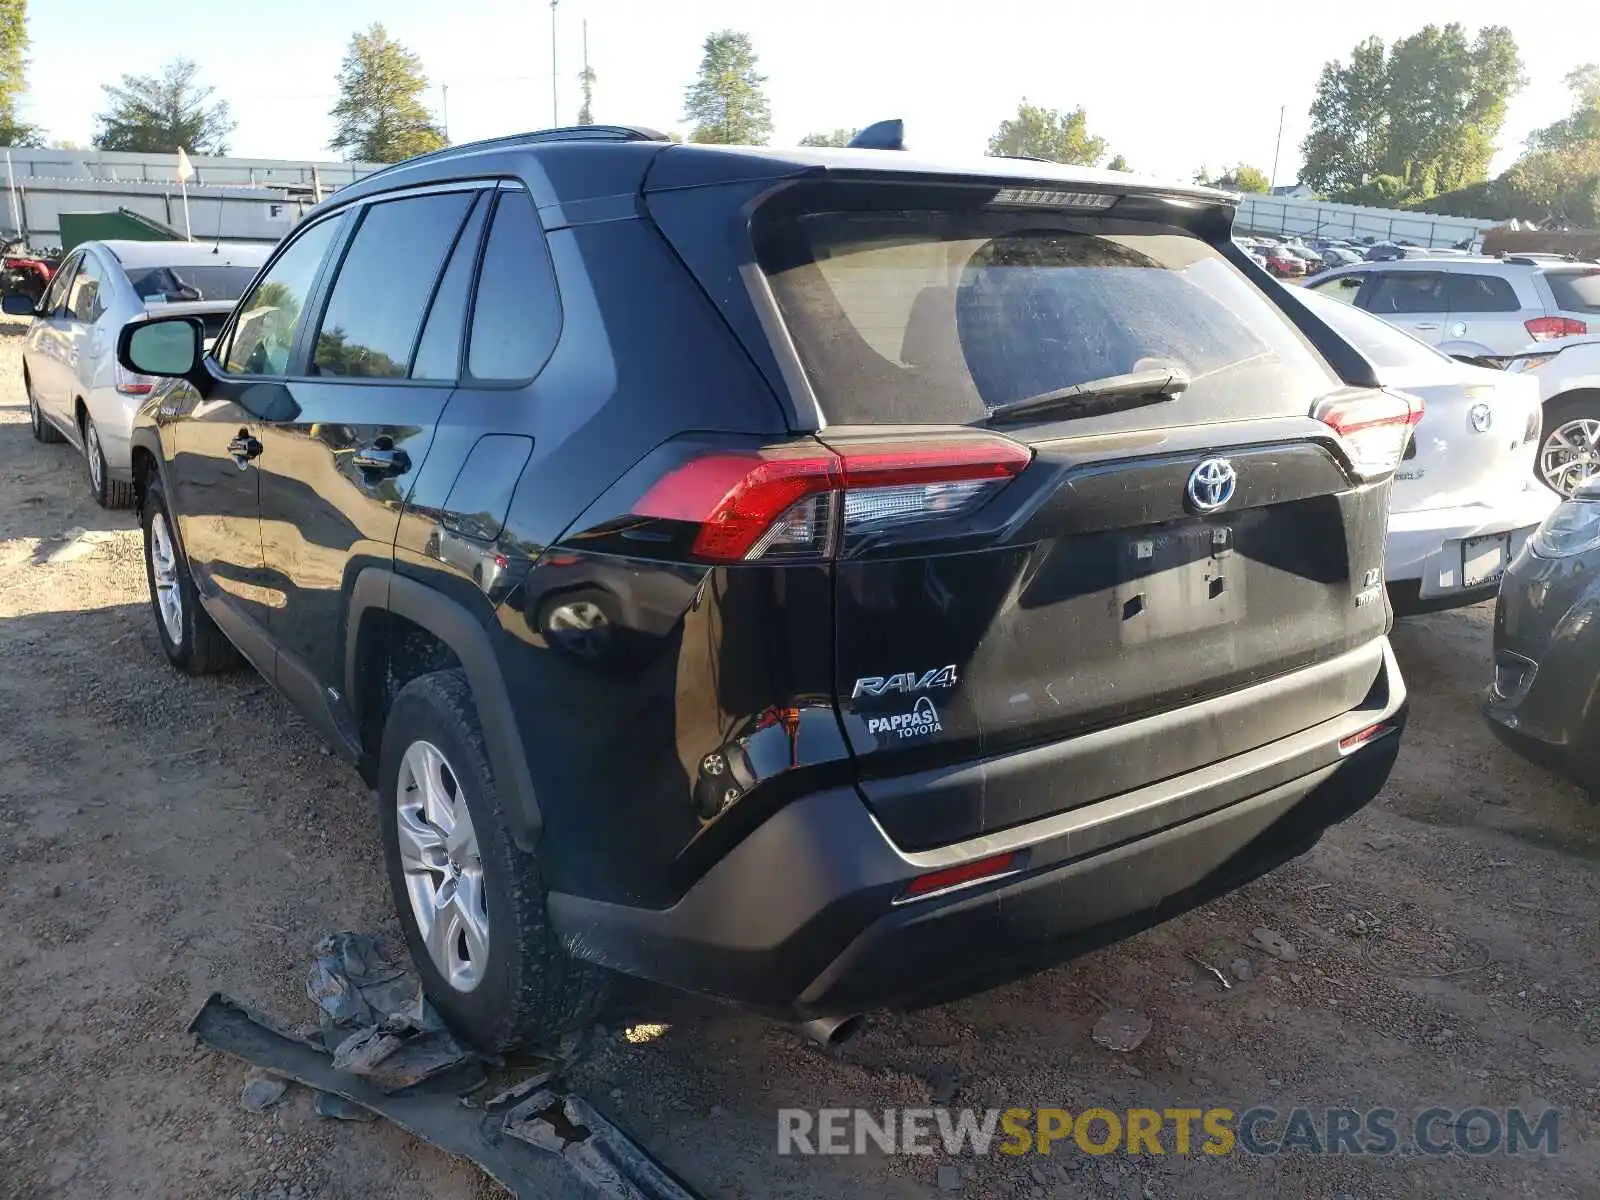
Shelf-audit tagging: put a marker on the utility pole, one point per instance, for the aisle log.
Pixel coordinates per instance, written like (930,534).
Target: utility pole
(1277,150)
(445,87)
(555,94)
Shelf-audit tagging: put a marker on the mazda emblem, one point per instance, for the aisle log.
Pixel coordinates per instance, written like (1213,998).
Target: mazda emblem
(1212,484)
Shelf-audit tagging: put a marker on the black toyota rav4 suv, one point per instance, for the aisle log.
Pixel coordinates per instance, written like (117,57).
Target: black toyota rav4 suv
(820,579)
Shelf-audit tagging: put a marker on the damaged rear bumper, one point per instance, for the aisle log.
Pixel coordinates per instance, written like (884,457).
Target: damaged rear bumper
(810,914)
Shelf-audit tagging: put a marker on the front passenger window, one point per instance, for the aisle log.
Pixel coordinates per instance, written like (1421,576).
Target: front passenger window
(264,331)
(53,302)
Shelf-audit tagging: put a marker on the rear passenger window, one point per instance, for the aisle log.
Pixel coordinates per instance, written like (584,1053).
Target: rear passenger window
(517,315)
(375,311)
(439,351)
(1472,293)
(1407,292)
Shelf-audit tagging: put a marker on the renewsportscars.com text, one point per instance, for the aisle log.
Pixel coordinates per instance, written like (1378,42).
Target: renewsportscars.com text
(1261,1130)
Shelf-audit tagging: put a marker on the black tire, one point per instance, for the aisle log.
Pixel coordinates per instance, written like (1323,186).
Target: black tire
(1580,406)
(43,431)
(107,492)
(202,648)
(531,991)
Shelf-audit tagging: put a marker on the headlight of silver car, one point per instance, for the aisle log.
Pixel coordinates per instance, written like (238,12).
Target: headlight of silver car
(1571,528)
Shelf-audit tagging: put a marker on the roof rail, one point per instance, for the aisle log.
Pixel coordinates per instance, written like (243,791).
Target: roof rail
(565,133)
(1534,258)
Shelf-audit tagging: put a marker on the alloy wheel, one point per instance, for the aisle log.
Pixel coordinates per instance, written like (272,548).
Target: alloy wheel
(91,450)
(164,575)
(443,867)
(1571,454)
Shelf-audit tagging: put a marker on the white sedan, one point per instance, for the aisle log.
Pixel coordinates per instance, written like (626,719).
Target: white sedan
(1465,499)
(77,391)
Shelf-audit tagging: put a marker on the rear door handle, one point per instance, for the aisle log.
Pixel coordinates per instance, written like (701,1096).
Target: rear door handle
(382,460)
(244,448)
(1426,325)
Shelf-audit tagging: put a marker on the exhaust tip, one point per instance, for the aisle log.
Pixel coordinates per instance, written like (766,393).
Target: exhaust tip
(832,1031)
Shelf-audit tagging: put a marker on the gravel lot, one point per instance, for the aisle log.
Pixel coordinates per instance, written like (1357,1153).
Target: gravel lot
(167,837)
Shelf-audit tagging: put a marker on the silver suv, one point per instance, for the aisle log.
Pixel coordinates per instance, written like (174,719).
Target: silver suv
(1474,306)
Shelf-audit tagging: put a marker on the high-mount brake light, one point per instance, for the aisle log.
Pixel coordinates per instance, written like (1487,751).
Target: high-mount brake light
(1374,428)
(805,500)
(1036,197)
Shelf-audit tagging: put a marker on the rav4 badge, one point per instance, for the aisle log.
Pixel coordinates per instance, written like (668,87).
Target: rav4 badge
(906,681)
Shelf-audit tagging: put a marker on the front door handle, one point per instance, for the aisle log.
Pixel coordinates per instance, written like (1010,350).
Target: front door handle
(1425,325)
(244,448)
(382,460)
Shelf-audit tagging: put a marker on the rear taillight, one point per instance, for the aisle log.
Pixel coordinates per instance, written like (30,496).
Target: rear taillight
(1543,329)
(132,384)
(806,500)
(1374,428)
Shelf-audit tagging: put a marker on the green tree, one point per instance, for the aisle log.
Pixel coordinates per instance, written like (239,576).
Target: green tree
(1241,177)
(1037,132)
(1559,176)
(726,101)
(1411,120)
(380,116)
(839,137)
(159,114)
(1581,128)
(14,75)
(1118,163)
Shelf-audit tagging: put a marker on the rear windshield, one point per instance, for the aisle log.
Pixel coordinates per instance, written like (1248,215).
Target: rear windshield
(1383,344)
(173,285)
(1575,291)
(912,317)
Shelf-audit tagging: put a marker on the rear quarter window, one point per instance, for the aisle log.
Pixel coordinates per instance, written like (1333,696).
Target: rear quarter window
(1575,291)
(930,317)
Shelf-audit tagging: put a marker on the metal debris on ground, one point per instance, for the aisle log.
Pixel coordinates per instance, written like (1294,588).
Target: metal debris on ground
(337,1107)
(609,1162)
(374,1018)
(1122,1029)
(1221,978)
(1274,943)
(549,1146)
(261,1093)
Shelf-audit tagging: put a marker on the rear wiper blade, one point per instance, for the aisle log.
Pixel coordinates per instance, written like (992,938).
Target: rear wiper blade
(1155,385)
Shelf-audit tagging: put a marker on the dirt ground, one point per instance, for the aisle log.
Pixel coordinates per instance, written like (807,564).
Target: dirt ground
(165,837)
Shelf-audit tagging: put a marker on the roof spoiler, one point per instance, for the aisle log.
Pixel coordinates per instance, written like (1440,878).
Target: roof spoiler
(881,135)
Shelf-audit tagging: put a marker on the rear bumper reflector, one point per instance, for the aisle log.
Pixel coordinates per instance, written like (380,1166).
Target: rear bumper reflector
(936,883)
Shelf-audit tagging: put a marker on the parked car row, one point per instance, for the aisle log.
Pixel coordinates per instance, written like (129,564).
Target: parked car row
(1493,309)
(76,389)
(810,568)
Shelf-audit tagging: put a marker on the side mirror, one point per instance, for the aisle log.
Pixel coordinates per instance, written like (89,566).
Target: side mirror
(168,347)
(16,304)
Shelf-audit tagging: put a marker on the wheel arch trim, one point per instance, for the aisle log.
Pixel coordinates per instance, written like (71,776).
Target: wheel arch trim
(383,590)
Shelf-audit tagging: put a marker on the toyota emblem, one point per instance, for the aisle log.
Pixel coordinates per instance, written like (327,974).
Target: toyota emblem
(1212,484)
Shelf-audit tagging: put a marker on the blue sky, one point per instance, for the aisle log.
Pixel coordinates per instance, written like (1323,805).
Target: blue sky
(1172,86)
